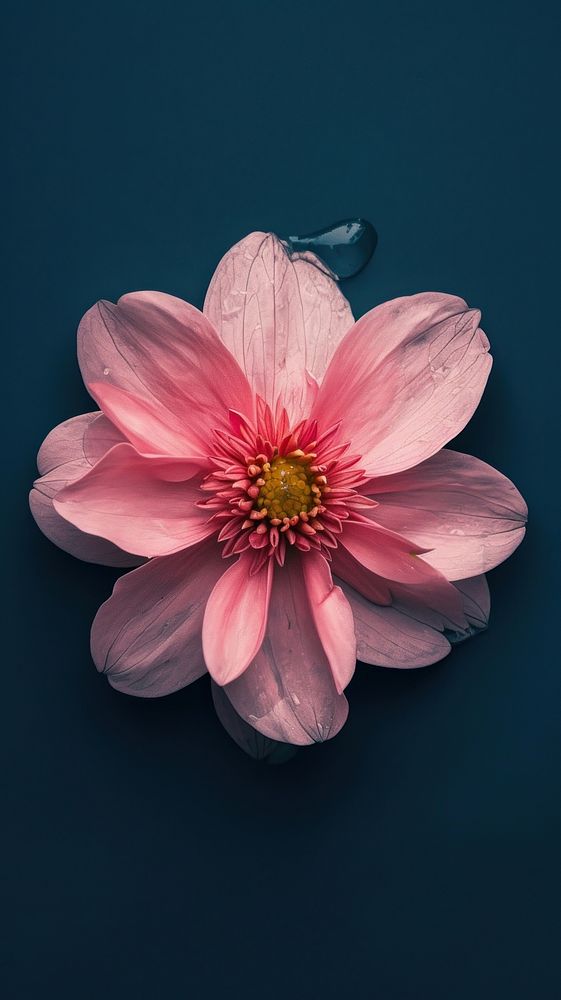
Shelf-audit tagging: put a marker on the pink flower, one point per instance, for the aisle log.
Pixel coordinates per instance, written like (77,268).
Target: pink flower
(282,470)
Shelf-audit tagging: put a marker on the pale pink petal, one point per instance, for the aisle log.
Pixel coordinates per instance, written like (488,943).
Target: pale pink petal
(435,592)
(333,618)
(405,380)
(375,588)
(63,459)
(420,624)
(477,607)
(235,618)
(467,514)
(167,358)
(65,443)
(459,618)
(147,637)
(288,692)
(99,437)
(146,425)
(65,535)
(247,738)
(139,503)
(388,638)
(280,314)
(385,552)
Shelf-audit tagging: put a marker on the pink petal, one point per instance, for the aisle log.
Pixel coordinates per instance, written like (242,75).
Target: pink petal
(147,426)
(288,692)
(99,437)
(459,616)
(419,626)
(236,618)
(167,368)
(375,588)
(333,618)
(62,460)
(247,738)
(388,637)
(280,315)
(385,552)
(405,380)
(467,514)
(436,592)
(67,537)
(65,443)
(477,607)
(139,503)
(147,636)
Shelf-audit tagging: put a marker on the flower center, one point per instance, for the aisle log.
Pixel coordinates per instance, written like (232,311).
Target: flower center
(288,487)
(269,492)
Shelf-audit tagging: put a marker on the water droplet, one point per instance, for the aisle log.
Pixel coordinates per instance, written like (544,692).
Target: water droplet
(106,371)
(346,246)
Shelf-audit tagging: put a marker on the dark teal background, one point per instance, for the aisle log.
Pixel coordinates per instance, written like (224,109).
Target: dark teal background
(416,855)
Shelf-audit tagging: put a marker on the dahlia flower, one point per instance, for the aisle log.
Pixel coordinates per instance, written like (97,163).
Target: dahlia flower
(277,474)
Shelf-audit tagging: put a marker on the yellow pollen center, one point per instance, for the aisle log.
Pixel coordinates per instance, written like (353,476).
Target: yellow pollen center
(287,488)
